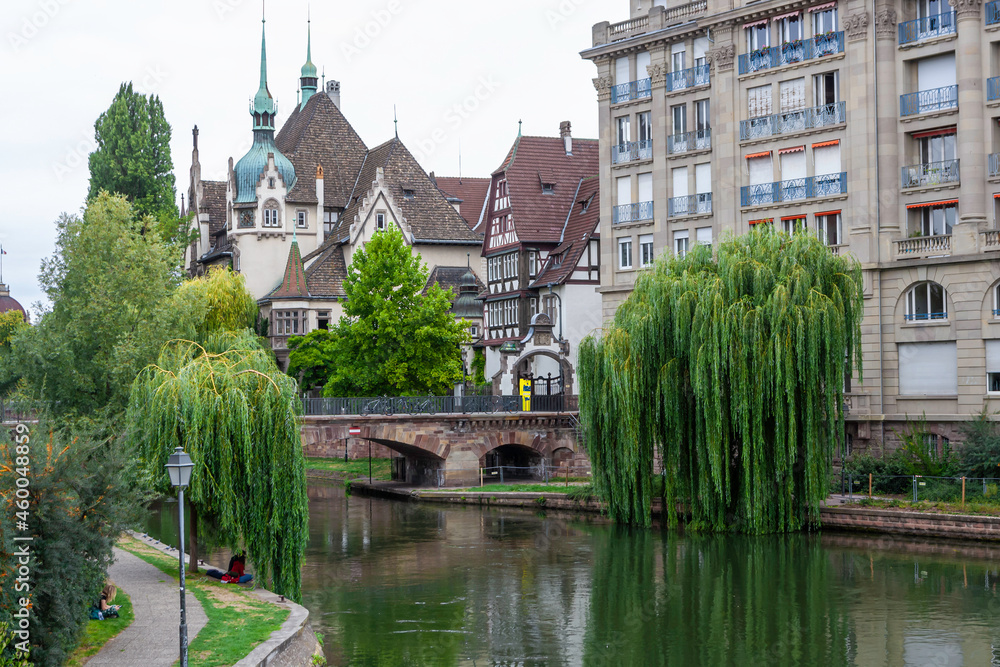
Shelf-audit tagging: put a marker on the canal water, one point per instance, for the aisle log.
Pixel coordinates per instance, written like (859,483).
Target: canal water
(396,583)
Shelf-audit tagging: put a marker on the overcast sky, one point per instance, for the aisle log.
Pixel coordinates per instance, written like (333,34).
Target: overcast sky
(459,72)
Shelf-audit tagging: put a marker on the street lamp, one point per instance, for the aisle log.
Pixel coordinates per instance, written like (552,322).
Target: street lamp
(179,465)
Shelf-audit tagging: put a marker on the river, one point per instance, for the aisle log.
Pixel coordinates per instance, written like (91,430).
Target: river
(395,583)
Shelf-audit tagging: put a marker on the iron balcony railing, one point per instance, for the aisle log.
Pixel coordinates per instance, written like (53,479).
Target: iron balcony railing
(631,151)
(690,205)
(633,90)
(794,189)
(992,12)
(923,317)
(696,140)
(435,405)
(993,88)
(933,99)
(930,173)
(927,27)
(688,78)
(793,121)
(632,212)
(827,44)
(994,165)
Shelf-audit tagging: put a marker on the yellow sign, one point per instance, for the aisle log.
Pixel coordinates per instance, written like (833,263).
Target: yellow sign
(526,395)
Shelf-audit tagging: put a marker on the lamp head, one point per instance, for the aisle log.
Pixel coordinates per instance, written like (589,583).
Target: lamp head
(180,466)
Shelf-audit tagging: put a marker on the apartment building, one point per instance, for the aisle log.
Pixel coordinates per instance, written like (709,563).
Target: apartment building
(871,124)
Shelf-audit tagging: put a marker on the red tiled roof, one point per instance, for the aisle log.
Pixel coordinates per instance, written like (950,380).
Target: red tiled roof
(581,225)
(471,191)
(214,203)
(293,284)
(541,217)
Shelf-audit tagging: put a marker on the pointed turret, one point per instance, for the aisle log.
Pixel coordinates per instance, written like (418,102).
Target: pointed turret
(310,75)
(293,284)
(264,107)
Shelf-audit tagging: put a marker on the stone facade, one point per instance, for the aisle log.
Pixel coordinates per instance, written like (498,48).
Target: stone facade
(868,116)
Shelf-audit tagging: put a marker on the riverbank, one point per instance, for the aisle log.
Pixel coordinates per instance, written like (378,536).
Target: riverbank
(841,516)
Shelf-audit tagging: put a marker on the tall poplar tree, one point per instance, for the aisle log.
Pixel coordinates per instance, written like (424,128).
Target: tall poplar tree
(732,368)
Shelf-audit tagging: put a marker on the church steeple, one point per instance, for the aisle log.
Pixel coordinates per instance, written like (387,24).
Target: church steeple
(310,75)
(264,107)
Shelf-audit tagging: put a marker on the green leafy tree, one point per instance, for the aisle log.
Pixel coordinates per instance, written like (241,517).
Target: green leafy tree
(133,159)
(733,368)
(236,415)
(107,281)
(311,358)
(394,339)
(980,454)
(217,301)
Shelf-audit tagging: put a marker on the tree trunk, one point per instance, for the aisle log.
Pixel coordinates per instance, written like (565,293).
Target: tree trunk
(193,540)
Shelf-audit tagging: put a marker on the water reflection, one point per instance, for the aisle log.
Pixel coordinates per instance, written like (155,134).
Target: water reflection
(392,583)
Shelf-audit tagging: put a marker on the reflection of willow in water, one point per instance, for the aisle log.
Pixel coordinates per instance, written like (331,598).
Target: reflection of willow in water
(715,600)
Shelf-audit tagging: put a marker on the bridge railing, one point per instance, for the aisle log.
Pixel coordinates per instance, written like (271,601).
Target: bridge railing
(435,405)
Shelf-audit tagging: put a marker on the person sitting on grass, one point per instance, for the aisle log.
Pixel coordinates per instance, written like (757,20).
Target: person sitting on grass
(237,566)
(103,609)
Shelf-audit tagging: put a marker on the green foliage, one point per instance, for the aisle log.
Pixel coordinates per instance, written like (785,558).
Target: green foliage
(82,497)
(235,414)
(920,454)
(107,282)
(980,455)
(734,368)
(7,653)
(133,159)
(381,469)
(479,367)
(217,301)
(98,633)
(394,340)
(890,474)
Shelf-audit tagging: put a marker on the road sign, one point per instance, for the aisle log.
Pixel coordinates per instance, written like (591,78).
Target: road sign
(354,430)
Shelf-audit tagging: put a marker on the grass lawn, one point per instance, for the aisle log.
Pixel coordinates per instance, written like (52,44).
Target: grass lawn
(930,507)
(97,633)
(355,468)
(575,484)
(237,622)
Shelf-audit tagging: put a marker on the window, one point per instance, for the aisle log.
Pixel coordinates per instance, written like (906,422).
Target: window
(548,189)
(625,253)
(646,250)
(621,70)
(270,217)
(992,365)
(826,158)
(474,331)
(825,21)
(300,219)
(645,128)
(501,196)
(532,264)
(828,227)
(286,323)
(758,37)
(935,219)
(792,95)
(790,28)
(759,101)
(825,88)
(792,223)
(681,243)
(702,121)
(677,59)
(551,308)
(323,319)
(407,193)
(624,130)
(701,45)
(996,302)
(704,235)
(760,170)
(679,115)
(533,306)
(936,147)
(329,222)
(926,301)
(928,369)
(270,183)
(380,221)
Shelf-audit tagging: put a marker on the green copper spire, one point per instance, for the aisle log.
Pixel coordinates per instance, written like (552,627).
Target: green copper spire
(264,108)
(310,74)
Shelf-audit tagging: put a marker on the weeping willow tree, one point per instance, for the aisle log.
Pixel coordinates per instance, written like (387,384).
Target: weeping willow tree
(235,414)
(732,369)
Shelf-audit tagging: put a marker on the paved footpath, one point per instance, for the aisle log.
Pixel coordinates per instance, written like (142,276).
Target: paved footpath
(152,640)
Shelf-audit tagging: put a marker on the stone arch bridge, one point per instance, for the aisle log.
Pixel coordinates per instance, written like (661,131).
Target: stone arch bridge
(449,449)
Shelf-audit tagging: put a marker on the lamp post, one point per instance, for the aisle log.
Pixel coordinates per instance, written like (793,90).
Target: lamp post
(180,466)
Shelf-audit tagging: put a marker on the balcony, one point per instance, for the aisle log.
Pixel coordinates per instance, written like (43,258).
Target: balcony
(924,317)
(793,121)
(657,19)
(794,190)
(633,90)
(923,246)
(993,89)
(632,151)
(788,53)
(924,101)
(690,205)
(993,162)
(688,78)
(927,27)
(931,173)
(991,241)
(698,140)
(632,213)
(993,12)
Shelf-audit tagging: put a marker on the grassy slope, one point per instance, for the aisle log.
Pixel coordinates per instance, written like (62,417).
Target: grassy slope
(355,468)
(237,622)
(97,633)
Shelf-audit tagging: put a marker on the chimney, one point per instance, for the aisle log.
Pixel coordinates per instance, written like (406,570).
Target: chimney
(195,133)
(567,136)
(333,90)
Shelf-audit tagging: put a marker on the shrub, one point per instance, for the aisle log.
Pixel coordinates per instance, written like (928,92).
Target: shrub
(980,455)
(889,474)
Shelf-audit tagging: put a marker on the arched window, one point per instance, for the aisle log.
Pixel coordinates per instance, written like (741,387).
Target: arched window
(996,302)
(926,301)
(271,214)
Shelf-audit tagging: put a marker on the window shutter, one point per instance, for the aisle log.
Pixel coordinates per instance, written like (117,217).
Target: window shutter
(645,187)
(936,71)
(993,356)
(760,170)
(641,63)
(793,165)
(827,159)
(700,47)
(680,178)
(703,178)
(929,369)
(621,71)
(704,235)
(624,190)
(759,101)
(792,94)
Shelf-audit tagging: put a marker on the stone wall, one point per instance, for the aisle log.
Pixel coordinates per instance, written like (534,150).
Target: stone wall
(912,523)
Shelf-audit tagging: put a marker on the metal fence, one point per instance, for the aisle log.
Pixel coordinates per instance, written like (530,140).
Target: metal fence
(544,472)
(21,411)
(924,101)
(434,405)
(794,189)
(795,51)
(794,121)
(927,27)
(632,90)
(915,488)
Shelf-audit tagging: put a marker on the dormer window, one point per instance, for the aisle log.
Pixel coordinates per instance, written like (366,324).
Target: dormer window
(380,221)
(548,188)
(270,183)
(407,194)
(301,220)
